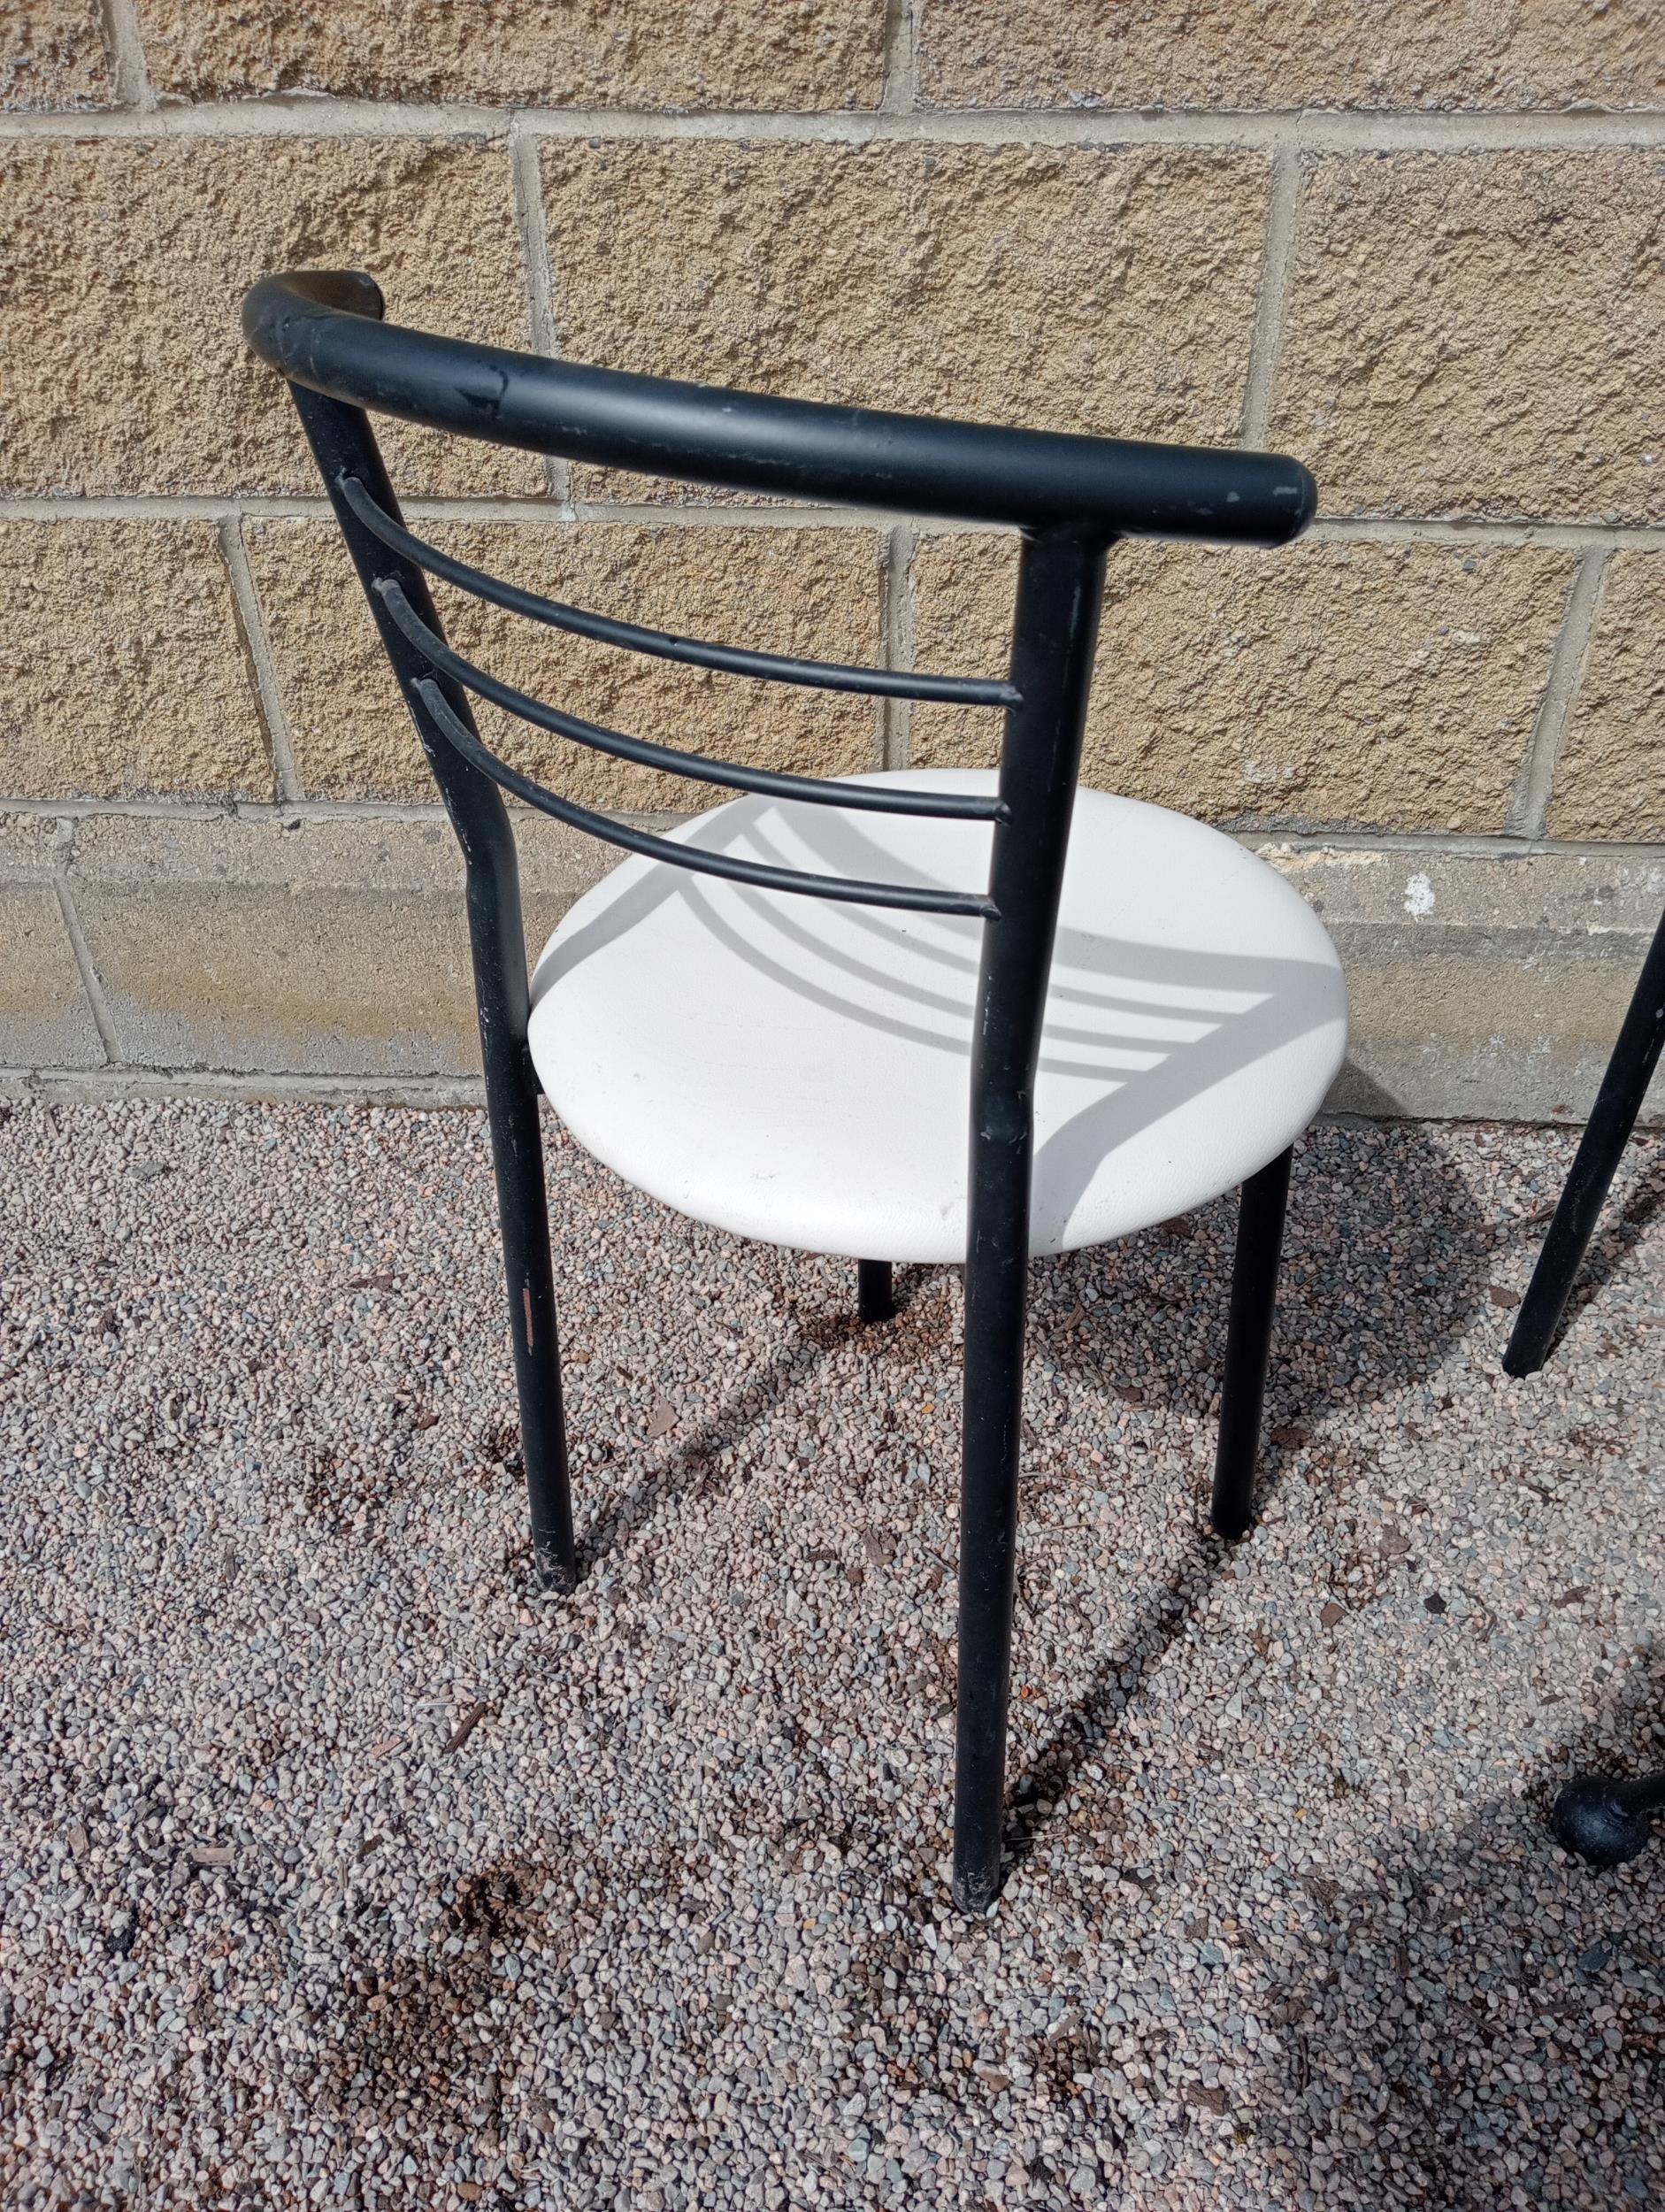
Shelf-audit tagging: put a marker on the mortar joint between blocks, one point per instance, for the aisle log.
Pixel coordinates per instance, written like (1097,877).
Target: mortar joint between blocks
(257,647)
(695,515)
(92,989)
(532,227)
(1506,844)
(1529,810)
(1277,252)
(1323,130)
(123,43)
(897,616)
(900,93)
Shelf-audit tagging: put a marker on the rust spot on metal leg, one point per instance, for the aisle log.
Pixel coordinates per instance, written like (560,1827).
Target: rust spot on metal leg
(526,1301)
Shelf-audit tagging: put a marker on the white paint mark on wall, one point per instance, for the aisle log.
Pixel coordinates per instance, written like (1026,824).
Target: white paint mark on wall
(1419,895)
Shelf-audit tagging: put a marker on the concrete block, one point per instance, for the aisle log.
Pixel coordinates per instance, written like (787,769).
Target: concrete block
(45,1021)
(333,948)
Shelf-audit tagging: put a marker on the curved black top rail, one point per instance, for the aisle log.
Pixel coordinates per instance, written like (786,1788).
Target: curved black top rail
(872,798)
(323,330)
(733,660)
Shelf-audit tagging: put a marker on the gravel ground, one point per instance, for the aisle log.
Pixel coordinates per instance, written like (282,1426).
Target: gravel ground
(339,1869)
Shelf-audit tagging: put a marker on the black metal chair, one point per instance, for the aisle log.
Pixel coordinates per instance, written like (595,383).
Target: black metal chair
(1603,1819)
(1196,1015)
(1613,1116)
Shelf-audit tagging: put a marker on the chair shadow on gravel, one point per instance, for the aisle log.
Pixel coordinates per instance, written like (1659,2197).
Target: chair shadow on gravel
(1427,1983)
(1347,1333)
(688,1464)
(1091,1723)
(1345,1338)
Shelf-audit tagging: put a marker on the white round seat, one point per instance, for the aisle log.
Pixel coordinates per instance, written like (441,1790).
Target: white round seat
(798,1071)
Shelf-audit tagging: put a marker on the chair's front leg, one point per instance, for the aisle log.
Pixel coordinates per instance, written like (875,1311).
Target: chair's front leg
(523,1214)
(1060,582)
(1260,1245)
(996,1295)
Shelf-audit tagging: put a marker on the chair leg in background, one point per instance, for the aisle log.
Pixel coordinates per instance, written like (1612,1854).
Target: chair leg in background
(1618,1102)
(1260,1244)
(1607,1820)
(874,1290)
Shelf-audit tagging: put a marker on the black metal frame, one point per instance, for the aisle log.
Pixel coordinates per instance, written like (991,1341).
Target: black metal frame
(1604,1821)
(1619,1101)
(1072,498)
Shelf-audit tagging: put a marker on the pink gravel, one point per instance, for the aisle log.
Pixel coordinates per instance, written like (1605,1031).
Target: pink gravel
(342,1869)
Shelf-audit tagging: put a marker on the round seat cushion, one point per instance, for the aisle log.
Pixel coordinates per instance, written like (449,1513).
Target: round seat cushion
(798,1071)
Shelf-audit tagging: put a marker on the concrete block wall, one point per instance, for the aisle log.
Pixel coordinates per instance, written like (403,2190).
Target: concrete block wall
(1418,246)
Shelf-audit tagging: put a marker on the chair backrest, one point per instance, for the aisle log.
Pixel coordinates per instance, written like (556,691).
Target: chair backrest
(1072,498)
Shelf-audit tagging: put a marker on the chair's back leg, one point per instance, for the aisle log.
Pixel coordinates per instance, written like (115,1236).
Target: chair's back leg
(1059,589)
(874,1290)
(1260,1245)
(1623,1088)
(496,935)
(344,446)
